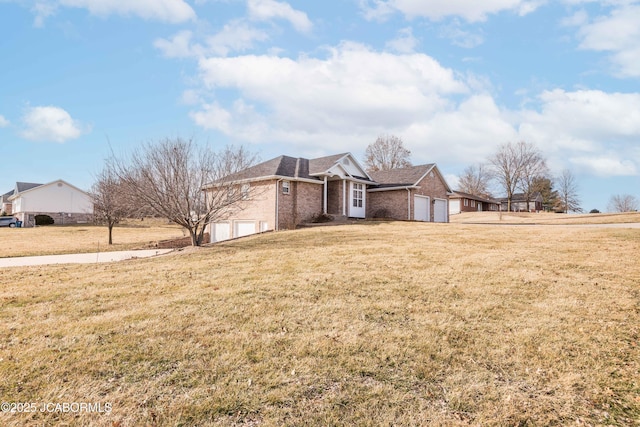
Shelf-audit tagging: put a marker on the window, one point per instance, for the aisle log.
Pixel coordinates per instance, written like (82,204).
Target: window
(357,195)
(245,191)
(286,187)
(466,202)
(473,203)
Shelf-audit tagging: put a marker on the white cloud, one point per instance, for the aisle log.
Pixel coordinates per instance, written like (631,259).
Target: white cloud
(405,42)
(4,122)
(460,37)
(236,36)
(50,124)
(469,10)
(606,165)
(617,33)
(585,126)
(173,11)
(42,10)
(266,10)
(344,93)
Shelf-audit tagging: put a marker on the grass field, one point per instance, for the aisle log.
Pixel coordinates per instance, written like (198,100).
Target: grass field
(132,234)
(372,324)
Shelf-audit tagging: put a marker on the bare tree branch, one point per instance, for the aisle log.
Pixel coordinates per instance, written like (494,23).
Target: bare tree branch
(623,203)
(516,166)
(568,199)
(475,180)
(388,152)
(169,177)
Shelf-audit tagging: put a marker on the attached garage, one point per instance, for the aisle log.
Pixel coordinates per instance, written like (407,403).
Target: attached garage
(421,208)
(220,231)
(440,211)
(243,228)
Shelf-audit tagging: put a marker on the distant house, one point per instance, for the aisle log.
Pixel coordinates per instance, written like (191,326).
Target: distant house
(519,203)
(63,202)
(287,191)
(464,202)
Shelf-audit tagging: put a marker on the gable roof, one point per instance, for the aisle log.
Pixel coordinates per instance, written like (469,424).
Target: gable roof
(520,197)
(24,186)
(27,187)
(281,166)
(294,168)
(462,195)
(401,177)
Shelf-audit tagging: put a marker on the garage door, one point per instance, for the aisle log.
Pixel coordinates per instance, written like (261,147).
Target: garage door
(244,228)
(421,208)
(440,211)
(220,231)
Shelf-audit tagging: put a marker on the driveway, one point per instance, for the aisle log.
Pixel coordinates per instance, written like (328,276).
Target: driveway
(90,258)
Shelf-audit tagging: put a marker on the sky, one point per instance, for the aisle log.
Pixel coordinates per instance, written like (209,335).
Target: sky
(455,79)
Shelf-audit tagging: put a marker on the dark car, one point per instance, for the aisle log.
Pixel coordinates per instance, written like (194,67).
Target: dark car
(8,221)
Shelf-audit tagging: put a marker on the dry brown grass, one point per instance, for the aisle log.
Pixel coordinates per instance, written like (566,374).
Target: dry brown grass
(132,234)
(373,324)
(544,218)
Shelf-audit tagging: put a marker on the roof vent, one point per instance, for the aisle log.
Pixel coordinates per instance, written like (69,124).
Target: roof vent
(346,162)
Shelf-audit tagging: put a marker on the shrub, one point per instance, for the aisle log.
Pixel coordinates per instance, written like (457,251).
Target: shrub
(594,211)
(44,220)
(322,218)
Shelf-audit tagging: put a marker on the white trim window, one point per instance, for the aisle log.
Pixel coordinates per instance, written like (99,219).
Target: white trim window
(286,187)
(245,191)
(358,191)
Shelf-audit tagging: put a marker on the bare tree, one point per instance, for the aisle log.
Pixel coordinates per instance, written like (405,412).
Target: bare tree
(388,152)
(534,167)
(475,180)
(111,203)
(623,203)
(514,164)
(568,200)
(170,175)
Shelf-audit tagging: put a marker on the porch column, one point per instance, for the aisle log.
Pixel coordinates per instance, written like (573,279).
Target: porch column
(344,197)
(324,202)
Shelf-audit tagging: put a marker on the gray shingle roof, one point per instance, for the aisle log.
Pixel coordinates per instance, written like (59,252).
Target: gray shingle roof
(24,186)
(460,194)
(280,166)
(400,177)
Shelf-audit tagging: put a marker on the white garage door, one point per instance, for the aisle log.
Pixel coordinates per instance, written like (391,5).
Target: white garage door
(220,231)
(244,228)
(421,208)
(440,211)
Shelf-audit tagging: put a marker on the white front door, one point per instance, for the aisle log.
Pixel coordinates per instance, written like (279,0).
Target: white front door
(440,210)
(357,204)
(421,208)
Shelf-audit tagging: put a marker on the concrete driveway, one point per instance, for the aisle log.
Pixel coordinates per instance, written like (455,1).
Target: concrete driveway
(90,258)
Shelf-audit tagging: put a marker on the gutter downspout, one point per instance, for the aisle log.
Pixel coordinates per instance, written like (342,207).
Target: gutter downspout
(408,204)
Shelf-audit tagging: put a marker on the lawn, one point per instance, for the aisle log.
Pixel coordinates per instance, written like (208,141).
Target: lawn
(49,240)
(372,324)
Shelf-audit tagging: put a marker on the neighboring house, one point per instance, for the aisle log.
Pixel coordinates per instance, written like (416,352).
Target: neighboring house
(63,202)
(464,202)
(287,191)
(519,204)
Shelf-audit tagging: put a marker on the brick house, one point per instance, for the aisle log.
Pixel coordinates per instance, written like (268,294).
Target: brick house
(285,192)
(519,203)
(464,202)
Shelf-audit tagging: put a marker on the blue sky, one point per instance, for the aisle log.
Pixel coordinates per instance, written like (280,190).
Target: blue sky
(453,79)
